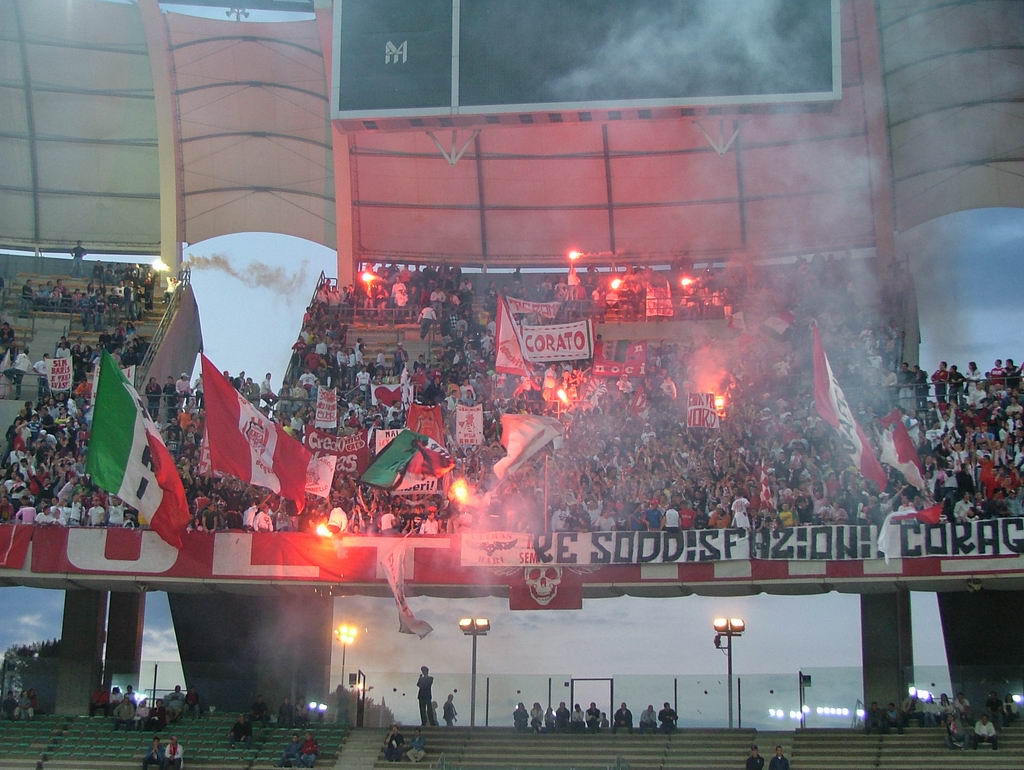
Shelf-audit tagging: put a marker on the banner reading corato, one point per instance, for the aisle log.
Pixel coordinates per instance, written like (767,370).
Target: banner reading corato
(58,374)
(543,309)
(353,452)
(326,409)
(558,342)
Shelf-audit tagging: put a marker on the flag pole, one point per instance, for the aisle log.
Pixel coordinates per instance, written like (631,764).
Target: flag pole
(547,515)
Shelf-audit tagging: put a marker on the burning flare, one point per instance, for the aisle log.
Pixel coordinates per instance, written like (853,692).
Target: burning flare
(323,530)
(460,490)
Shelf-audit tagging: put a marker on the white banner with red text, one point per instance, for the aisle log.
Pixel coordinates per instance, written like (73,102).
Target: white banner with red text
(558,342)
(469,425)
(326,408)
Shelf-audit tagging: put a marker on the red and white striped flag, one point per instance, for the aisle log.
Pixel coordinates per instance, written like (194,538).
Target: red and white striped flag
(246,444)
(899,452)
(832,406)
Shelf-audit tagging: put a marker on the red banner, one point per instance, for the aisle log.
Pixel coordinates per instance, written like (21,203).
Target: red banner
(615,359)
(14,542)
(353,451)
(428,421)
(543,309)
(563,566)
(545,587)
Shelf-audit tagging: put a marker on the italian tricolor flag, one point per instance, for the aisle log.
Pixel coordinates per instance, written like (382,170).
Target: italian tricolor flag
(128,458)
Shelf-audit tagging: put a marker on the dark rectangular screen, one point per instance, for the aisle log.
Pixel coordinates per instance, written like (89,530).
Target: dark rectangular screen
(406,57)
(539,51)
(395,54)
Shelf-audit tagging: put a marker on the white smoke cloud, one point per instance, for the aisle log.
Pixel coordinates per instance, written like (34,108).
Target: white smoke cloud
(254,274)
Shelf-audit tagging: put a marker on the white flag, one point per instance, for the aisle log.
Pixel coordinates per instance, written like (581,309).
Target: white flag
(320,474)
(392,560)
(523,435)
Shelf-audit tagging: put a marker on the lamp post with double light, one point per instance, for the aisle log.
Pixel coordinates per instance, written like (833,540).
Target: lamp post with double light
(726,629)
(346,634)
(474,627)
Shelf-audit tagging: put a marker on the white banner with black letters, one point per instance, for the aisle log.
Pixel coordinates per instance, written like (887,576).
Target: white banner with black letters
(996,537)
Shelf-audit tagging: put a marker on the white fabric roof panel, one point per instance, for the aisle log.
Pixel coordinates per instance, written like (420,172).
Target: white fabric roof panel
(954,75)
(254,130)
(77,127)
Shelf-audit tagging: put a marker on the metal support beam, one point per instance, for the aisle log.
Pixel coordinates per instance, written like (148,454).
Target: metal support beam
(740,188)
(451,154)
(608,187)
(480,197)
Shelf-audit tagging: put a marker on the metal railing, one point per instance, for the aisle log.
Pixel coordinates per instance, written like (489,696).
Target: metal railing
(142,371)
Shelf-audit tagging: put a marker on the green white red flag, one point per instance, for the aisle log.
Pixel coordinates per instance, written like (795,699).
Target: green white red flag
(128,457)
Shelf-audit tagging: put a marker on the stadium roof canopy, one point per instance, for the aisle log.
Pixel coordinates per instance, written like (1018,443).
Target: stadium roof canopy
(114,115)
(121,121)
(78,135)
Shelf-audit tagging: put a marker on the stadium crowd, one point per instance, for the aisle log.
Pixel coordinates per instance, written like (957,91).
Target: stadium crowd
(628,460)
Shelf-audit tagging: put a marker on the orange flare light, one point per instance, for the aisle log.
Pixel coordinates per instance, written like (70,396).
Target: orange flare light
(685,281)
(324,531)
(616,283)
(719,404)
(460,490)
(562,395)
(574,255)
(368,277)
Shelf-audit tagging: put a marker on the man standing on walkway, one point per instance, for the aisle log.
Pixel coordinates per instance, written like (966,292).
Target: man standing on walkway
(755,761)
(779,761)
(424,696)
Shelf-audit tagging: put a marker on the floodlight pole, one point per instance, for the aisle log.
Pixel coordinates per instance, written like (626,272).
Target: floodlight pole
(728,658)
(472,687)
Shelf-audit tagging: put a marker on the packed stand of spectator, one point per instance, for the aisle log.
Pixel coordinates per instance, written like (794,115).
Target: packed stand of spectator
(628,461)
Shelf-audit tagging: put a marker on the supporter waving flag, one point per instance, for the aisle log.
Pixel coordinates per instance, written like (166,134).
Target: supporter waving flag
(833,408)
(246,444)
(408,452)
(127,456)
(899,452)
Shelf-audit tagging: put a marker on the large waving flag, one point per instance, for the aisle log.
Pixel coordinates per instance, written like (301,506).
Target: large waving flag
(899,452)
(508,346)
(408,452)
(392,560)
(246,444)
(832,406)
(128,458)
(523,435)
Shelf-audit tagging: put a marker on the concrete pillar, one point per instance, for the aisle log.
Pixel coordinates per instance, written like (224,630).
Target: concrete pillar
(79,664)
(887,650)
(984,646)
(235,647)
(125,619)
